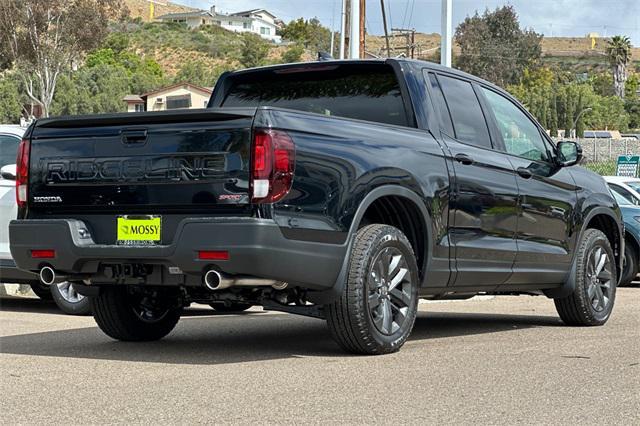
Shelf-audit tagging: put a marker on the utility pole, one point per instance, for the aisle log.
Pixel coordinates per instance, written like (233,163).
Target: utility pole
(363,11)
(409,35)
(386,32)
(446,36)
(331,43)
(354,26)
(343,27)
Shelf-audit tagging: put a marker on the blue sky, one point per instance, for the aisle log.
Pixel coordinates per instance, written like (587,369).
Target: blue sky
(550,17)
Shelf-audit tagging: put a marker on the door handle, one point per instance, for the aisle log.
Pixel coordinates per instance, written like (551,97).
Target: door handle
(464,159)
(133,136)
(524,172)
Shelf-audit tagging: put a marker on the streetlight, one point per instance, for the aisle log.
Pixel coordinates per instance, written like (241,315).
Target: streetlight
(575,122)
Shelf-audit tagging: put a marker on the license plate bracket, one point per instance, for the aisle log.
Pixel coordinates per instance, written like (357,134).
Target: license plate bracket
(138,230)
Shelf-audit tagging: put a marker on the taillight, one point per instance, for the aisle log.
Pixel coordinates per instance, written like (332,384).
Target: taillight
(272,165)
(22,172)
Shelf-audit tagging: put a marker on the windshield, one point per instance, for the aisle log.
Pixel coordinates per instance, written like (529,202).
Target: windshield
(619,198)
(365,92)
(635,185)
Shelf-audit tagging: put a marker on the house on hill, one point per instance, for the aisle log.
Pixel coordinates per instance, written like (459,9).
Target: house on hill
(176,96)
(191,19)
(257,21)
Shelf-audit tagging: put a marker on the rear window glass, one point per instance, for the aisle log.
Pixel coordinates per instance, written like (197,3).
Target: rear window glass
(364,92)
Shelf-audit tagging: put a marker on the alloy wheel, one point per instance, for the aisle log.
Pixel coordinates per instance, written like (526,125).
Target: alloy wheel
(390,290)
(69,293)
(599,279)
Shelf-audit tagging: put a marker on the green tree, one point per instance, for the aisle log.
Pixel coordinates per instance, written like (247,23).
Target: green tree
(293,54)
(553,115)
(310,33)
(602,83)
(254,50)
(494,47)
(10,101)
(619,54)
(198,72)
(43,38)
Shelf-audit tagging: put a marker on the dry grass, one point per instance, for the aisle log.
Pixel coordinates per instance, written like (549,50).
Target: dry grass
(426,45)
(140,9)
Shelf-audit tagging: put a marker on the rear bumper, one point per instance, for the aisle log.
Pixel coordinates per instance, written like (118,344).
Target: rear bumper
(10,274)
(256,247)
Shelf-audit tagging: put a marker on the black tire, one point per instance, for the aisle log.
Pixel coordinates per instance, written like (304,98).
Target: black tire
(69,301)
(42,291)
(232,307)
(358,319)
(630,271)
(594,294)
(115,310)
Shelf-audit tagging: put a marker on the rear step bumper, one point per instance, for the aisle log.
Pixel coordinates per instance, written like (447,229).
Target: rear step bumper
(256,247)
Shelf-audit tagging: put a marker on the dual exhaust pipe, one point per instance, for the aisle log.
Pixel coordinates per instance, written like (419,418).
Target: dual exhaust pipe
(215,280)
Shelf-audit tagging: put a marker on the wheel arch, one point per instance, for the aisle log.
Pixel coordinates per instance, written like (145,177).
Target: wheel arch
(369,200)
(632,240)
(603,219)
(412,219)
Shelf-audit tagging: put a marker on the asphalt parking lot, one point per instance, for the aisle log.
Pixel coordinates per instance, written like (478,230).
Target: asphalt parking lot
(505,360)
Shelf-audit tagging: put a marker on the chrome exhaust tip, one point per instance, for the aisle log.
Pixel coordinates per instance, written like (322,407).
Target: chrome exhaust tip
(212,279)
(47,275)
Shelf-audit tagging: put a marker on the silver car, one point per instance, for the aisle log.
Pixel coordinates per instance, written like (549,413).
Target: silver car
(64,295)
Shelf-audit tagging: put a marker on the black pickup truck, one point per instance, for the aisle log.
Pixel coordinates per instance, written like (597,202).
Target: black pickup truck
(344,190)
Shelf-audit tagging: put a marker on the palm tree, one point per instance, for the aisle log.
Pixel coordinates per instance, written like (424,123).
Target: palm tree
(619,53)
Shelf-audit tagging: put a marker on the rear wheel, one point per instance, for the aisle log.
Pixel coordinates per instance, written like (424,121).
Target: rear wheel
(41,290)
(594,294)
(230,307)
(127,314)
(69,300)
(630,270)
(378,306)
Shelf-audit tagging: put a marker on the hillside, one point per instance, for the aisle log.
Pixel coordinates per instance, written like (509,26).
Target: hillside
(573,52)
(140,8)
(172,47)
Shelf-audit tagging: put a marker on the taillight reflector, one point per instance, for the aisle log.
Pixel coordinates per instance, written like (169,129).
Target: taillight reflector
(272,165)
(43,254)
(22,172)
(213,255)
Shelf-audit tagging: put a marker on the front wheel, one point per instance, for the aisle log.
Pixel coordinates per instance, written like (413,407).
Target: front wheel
(630,270)
(131,315)
(69,300)
(594,292)
(377,309)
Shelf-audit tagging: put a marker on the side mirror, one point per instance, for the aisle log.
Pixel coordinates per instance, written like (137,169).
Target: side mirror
(569,153)
(8,172)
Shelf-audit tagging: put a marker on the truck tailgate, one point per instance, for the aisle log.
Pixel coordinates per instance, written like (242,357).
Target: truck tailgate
(149,161)
(170,164)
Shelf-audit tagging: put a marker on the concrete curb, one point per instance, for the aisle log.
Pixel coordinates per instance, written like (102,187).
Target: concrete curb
(16,290)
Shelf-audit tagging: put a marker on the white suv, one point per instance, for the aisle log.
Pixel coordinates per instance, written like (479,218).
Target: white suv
(65,296)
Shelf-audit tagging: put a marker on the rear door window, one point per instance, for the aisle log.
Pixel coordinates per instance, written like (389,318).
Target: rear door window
(468,120)
(364,92)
